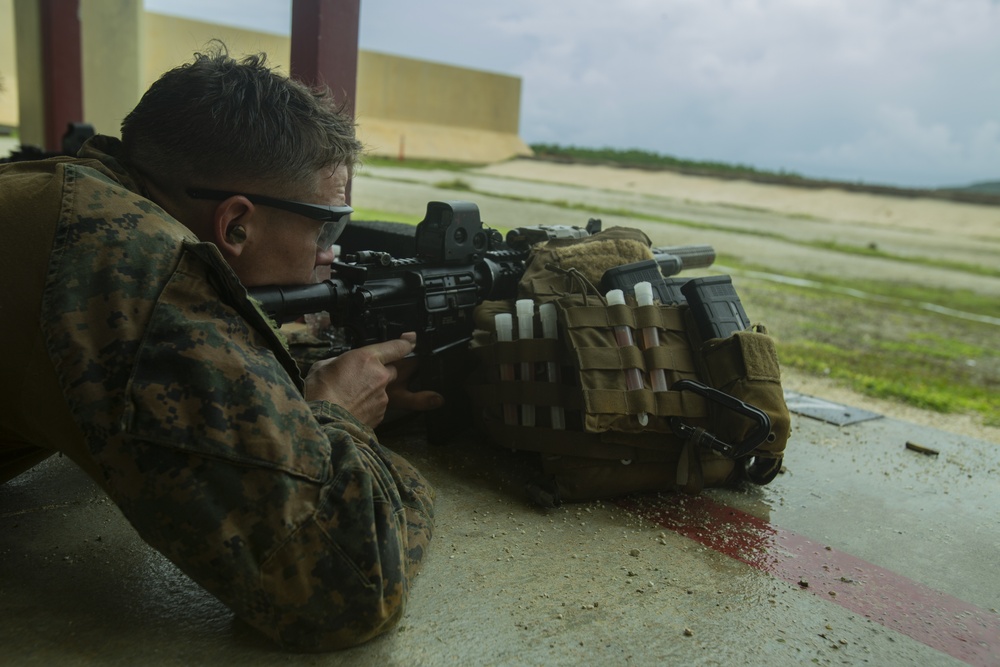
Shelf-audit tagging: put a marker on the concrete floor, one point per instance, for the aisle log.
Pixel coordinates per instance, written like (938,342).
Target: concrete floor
(861,552)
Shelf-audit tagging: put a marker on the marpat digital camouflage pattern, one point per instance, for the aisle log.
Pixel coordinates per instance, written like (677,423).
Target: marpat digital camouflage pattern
(187,408)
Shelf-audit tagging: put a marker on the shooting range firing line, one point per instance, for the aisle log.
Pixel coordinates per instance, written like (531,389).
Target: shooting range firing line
(945,623)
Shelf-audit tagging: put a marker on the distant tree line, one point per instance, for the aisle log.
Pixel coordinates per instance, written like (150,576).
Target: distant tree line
(637,158)
(643,159)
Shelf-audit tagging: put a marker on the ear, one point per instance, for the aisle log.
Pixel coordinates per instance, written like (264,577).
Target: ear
(232,225)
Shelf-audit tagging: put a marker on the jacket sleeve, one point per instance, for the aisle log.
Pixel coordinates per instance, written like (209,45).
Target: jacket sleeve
(289,512)
(315,564)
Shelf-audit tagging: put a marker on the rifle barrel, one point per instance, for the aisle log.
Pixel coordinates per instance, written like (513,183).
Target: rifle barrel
(691,256)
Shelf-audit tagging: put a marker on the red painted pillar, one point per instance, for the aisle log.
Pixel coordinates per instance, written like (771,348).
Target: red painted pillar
(62,70)
(325,46)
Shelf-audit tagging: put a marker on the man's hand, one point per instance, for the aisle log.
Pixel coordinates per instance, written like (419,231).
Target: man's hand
(367,380)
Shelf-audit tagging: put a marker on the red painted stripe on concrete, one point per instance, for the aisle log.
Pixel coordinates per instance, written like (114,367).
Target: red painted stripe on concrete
(940,621)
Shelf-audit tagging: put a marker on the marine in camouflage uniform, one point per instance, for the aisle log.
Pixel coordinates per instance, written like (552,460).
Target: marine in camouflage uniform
(131,347)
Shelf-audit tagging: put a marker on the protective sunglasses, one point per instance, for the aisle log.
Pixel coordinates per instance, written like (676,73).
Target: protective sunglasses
(334,217)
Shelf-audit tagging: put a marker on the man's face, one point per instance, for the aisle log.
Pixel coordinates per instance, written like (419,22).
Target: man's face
(282,248)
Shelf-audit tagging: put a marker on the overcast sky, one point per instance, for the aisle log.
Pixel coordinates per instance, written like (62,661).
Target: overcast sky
(901,92)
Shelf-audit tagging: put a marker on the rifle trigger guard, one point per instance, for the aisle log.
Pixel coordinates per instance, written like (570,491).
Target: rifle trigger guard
(703,439)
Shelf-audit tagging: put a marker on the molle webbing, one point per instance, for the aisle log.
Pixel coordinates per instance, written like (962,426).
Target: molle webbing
(613,439)
(587,352)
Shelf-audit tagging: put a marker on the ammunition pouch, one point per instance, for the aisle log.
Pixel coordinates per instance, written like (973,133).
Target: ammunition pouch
(722,418)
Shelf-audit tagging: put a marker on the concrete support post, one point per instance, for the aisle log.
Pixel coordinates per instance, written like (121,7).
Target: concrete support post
(30,85)
(112,60)
(62,74)
(325,46)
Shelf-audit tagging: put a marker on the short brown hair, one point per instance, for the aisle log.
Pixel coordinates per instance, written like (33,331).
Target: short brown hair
(239,119)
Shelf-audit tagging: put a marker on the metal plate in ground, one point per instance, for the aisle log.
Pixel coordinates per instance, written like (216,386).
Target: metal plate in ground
(831,413)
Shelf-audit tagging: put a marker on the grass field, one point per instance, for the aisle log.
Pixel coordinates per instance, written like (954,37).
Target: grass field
(928,347)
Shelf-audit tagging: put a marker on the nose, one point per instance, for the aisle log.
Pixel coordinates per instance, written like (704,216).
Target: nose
(325,256)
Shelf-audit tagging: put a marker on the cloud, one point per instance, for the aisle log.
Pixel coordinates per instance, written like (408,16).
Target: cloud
(857,89)
(899,144)
(820,87)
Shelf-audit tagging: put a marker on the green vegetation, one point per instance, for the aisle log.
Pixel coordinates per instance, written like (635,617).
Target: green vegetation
(885,351)
(990,188)
(901,296)
(385,216)
(983,193)
(425,165)
(635,157)
(874,251)
(456,184)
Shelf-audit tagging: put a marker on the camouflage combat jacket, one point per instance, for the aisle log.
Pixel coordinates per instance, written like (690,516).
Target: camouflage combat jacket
(184,404)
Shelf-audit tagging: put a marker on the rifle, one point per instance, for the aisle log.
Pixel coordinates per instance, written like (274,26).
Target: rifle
(456,264)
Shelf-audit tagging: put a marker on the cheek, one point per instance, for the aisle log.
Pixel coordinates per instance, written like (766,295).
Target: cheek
(298,249)
(287,258)
(306,258)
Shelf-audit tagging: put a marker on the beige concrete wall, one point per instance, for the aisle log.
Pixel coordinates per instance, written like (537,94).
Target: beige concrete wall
(8,66)
(417,91)
(420,109)
(404,106)
(171,41)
